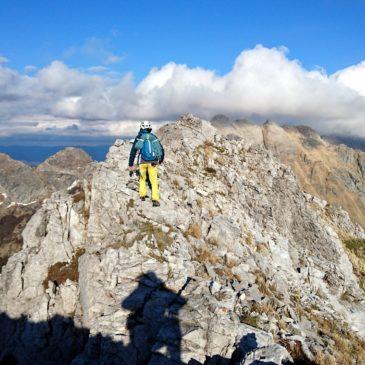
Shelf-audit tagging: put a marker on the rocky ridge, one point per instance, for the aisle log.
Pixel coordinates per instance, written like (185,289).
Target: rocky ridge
(335,173)
(23,188)
(21,183)
(238,265)
(61,169)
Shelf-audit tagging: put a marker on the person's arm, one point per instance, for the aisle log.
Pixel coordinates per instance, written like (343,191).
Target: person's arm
(133,153)
(163,153)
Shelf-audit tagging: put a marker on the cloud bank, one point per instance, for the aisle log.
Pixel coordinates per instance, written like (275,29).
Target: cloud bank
(262,84)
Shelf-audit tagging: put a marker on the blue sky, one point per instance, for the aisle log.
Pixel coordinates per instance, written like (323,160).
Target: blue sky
(210,34)
(95,68)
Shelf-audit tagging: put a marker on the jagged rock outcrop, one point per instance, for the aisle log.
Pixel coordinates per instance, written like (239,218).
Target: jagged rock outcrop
(237,265)
(13,219)
(19,182)
(23,188)
(24,184)
(61,169)
(335,173)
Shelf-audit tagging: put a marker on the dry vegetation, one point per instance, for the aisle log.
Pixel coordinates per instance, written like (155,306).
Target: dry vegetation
(346,347)
(163,239)
(59,272)
(11,240)
(130,204)
(250,319)
(204,255)
(262,284)
(79,196)
(249,239)
(176,183)
(225,272)
(194,230)
(295,350)
(124,242)
(199,201)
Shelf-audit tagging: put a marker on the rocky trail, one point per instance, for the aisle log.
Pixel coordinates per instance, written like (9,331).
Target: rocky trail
(237,266)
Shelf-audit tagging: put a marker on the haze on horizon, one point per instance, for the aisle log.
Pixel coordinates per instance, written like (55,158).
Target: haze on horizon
(87,71)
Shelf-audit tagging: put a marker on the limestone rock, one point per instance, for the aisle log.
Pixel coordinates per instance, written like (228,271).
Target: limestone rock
(236,261)
(334,173)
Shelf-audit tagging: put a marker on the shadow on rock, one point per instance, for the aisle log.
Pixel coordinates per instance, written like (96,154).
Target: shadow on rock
(154,335)
(153,323)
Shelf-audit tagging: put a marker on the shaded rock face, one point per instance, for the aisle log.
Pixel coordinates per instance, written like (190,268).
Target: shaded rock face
(12,222)
(24,184)
(69,160)
(237,265)
(64,167)
(19,182)
(335,173)
(22,189)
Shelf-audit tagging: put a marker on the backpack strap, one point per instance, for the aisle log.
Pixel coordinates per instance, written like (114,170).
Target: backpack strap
(154,138)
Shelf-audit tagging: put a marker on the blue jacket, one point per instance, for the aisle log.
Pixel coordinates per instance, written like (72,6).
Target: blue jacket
(134,150)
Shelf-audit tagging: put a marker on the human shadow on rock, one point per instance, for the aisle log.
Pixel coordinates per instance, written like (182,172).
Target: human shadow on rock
(153,335)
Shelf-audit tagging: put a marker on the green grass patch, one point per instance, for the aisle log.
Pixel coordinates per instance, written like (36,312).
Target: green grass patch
(357,246)
(356,252)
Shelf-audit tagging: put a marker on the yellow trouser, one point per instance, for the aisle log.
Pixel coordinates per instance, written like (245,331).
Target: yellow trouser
(152,173)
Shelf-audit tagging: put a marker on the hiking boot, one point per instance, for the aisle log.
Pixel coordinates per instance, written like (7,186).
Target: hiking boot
(155,203)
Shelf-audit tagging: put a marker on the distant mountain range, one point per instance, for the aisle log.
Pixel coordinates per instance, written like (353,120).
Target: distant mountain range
(34,155)
(353,142)
(33,150)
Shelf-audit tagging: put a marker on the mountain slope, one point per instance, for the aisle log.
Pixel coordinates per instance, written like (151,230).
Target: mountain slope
(237,265)
(23,184)
(20,182)
(335,173)
(23,188)
(61,169)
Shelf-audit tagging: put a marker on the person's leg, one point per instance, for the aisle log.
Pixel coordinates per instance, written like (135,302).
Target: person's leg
(142,180)
(152,172)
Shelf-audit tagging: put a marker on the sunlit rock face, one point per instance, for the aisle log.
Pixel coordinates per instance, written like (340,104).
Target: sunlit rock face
(335,173)
(238,265)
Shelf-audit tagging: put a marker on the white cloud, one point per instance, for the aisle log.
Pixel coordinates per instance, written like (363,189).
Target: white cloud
(263,83)
(3,60)
(112,58)
(95,48)
(30,68)
(98,69)
(353,77)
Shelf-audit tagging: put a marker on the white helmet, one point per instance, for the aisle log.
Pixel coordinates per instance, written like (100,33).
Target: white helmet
(145,125)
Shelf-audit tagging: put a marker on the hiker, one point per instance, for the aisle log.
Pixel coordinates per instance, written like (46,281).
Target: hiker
(150,155)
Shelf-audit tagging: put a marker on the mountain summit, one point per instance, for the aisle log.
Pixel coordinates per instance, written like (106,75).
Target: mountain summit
(237,266)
